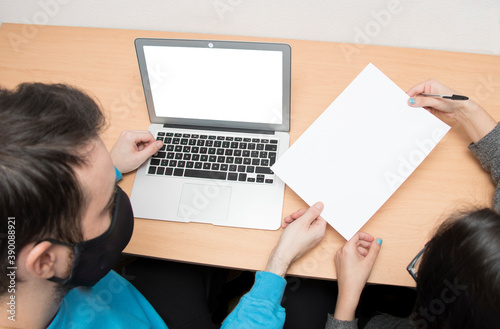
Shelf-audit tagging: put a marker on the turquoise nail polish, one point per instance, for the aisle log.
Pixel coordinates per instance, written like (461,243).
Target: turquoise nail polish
(412,101)
(379,241)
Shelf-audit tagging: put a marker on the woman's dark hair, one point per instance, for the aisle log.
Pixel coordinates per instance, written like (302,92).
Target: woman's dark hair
(458,282)
(43,128)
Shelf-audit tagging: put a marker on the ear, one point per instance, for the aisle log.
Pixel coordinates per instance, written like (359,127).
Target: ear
(46,260)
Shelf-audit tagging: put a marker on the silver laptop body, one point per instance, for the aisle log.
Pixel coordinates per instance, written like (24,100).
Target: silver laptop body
(222,109)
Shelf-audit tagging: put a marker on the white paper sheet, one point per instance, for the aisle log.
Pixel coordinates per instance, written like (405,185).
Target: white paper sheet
(359,151)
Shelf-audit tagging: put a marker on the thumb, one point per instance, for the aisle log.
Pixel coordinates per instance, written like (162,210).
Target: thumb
(374,251)
(152,148)
(313,212)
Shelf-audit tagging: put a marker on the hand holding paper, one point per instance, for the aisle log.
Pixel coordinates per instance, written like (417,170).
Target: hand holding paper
(359,151)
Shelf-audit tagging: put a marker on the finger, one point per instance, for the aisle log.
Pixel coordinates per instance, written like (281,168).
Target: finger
(431,86)
(353,242)
(287,220)
(365,236)
(142,146)
(373,252)
(423,101)
(294,216)
(417,89)
(363,251)
(290,218)
(142,136)
(364,244)
(152,148)
(298,213)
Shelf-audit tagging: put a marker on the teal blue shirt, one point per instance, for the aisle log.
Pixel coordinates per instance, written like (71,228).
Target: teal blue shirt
(112,303)
(115,303)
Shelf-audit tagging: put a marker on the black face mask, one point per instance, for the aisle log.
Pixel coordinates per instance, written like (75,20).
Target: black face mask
(93,259)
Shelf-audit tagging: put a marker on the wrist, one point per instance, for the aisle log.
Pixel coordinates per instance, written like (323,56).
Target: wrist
(475,120)
(467,111)
(277,265)
(346,306)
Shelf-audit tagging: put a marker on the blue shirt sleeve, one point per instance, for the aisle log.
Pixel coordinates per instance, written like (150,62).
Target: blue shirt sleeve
(261,306)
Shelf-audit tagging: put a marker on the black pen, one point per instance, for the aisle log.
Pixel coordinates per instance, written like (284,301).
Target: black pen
(452,97)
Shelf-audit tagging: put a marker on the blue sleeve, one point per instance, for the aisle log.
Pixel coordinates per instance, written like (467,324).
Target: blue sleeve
(261,306)
(119,175)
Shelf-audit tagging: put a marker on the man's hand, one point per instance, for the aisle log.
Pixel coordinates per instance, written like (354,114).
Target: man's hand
(304,229)
(354,263)
(133,148)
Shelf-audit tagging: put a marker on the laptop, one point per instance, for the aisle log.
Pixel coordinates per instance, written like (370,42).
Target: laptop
(222,109)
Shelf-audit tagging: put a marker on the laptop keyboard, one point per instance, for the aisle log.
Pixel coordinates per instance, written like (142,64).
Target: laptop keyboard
(215,157)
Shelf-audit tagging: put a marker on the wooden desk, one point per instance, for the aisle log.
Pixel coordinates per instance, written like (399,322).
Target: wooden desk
(103,62)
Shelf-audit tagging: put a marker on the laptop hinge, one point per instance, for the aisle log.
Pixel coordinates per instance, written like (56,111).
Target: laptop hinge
(238,130)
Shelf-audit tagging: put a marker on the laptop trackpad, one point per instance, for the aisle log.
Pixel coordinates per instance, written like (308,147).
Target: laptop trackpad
(206,203)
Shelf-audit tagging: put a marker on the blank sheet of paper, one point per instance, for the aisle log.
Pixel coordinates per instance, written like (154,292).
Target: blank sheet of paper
(359,151)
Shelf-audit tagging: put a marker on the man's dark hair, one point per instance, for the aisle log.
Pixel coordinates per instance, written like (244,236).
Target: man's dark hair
(458,283)
(43,128)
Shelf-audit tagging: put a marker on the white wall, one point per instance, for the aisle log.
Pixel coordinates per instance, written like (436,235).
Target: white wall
(455,25)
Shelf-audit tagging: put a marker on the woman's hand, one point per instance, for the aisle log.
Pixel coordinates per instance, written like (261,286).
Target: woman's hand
(475,120)
(435,105)
(354,263)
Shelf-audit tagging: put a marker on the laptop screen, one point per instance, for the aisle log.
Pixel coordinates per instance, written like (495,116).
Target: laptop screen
(211,82)
(216,84)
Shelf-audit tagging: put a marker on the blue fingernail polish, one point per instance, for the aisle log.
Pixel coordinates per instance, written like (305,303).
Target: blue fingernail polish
(379,241)
(412,101)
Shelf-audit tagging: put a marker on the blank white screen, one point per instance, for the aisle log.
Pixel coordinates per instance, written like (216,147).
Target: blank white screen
(216,84)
